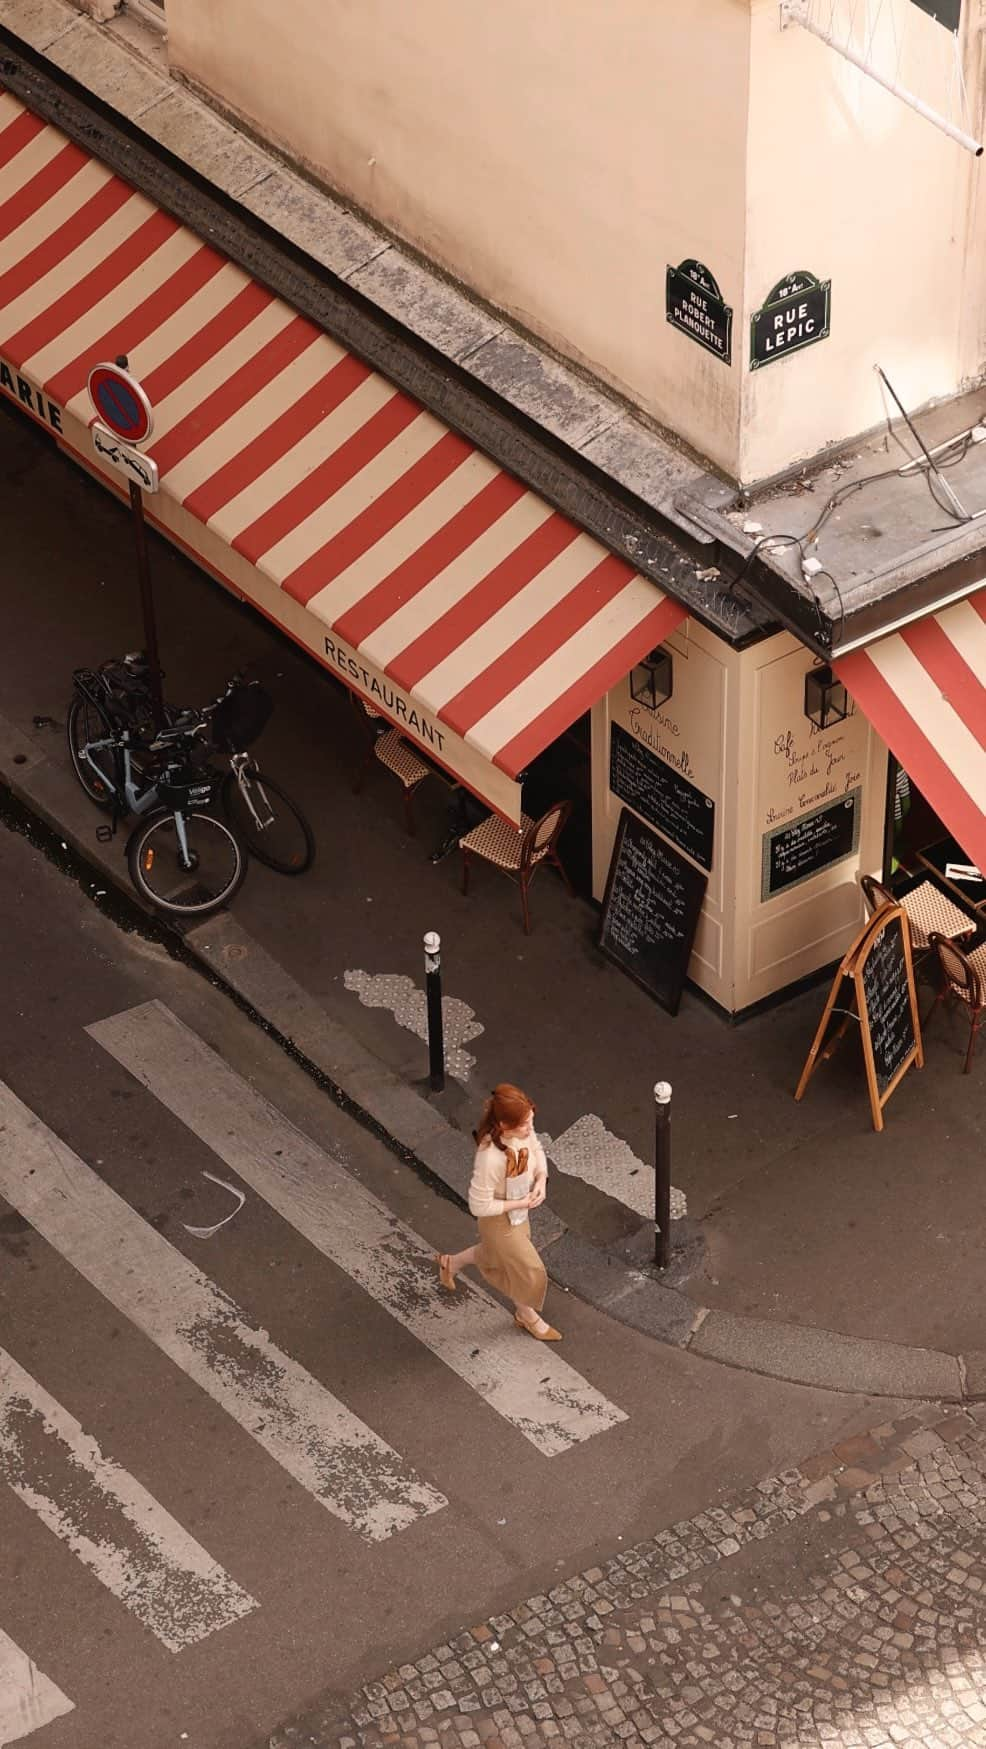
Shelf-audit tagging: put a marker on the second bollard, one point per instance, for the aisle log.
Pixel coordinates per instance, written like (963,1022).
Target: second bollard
(433,990)
(662,1174)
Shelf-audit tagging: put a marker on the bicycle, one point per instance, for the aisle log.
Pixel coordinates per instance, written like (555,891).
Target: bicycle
(106,700)
(270,825)
(182,859)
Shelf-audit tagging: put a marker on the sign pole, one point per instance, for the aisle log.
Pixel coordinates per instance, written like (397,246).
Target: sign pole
(146,591)
(147,604)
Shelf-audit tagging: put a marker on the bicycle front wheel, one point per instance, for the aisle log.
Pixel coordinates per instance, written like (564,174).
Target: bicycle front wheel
(85,723)
(180,885)
(269,823)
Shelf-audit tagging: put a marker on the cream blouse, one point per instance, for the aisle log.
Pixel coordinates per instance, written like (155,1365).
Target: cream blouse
(490,1171)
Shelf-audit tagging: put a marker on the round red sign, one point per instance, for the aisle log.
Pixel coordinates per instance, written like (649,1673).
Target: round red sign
(120,402)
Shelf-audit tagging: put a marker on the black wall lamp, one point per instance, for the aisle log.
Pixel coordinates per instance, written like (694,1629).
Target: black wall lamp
(826,699)
(652,681)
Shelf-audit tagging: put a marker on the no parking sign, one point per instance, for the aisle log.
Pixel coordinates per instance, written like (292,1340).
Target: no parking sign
(120,403)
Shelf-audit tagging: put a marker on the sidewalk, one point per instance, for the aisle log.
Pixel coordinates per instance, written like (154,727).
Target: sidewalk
(831,1255)
(837,1605)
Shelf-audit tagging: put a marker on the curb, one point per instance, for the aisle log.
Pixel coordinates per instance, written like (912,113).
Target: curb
(419,1134)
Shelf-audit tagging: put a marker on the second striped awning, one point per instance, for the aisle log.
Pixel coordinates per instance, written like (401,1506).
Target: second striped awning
(476,618)
(924,690)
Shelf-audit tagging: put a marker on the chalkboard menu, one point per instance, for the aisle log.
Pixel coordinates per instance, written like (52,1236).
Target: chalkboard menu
(886,990)
(814,841)
(650,911)
(665,798)
(874,987)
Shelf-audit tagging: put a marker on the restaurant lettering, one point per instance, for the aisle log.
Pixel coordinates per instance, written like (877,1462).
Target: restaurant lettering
(26,395)
(387,696)
(796,314)
(646,729)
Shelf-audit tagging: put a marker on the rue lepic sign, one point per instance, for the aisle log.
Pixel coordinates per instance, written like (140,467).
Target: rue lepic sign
(695,306)
(795,315)
(124,420)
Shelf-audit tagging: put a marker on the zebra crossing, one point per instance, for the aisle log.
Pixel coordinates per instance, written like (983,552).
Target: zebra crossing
(125,1539)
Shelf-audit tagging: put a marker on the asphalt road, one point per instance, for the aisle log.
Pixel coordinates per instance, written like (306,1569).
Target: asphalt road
(233,1477)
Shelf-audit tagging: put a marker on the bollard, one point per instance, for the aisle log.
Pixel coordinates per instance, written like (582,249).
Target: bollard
(662,1174)
(433,988)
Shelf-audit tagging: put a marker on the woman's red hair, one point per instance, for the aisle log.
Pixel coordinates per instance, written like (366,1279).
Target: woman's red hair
(506,1109)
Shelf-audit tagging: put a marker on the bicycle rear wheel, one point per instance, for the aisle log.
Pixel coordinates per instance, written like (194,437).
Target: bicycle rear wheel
(87,722)
(280,836)
(215,869)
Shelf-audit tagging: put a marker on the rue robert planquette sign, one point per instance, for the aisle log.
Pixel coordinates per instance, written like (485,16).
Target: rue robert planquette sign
(796,314)
(695,305)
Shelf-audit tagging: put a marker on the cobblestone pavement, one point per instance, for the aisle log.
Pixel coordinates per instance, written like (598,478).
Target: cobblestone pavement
(840,1604)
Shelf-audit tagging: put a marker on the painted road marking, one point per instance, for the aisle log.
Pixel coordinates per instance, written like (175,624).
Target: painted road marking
(28,1698)
(409,1006)
(333,1454)
(529,1385)
(588,1150)
(117,1529)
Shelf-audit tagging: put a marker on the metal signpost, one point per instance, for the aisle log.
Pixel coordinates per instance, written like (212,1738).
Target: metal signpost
(125,420)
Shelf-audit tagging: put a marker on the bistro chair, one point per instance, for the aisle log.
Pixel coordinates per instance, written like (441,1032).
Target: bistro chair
(518,852)
(963,979)
(929,912)
(875,893)
(393,753)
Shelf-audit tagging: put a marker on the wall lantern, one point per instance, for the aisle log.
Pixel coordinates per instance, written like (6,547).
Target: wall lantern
(826,699)
(652,681)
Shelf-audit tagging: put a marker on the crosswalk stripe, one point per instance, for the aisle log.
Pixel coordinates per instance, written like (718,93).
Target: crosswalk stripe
(334,1455)
(28,1698)
(116,1528)
(531,1387)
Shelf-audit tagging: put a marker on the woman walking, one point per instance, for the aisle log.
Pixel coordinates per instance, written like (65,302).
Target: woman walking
(508,1178)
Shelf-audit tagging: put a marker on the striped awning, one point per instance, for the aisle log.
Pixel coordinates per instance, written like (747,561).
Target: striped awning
(924,690)
(480,621)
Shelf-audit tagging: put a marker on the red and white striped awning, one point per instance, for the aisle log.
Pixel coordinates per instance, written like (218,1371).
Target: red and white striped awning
(466,609)
(924,690)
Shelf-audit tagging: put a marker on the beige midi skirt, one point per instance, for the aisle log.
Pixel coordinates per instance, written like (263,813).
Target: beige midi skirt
(508,1261)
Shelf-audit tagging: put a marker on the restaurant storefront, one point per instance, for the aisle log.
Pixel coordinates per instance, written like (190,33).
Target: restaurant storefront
(477,619)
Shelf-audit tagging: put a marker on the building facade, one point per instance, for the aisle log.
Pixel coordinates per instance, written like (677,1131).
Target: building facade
(591,394)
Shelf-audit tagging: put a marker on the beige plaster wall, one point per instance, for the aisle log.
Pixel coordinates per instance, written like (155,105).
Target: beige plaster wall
(554,157)
(696,733)
(789,771)
(738,721)
(845,181)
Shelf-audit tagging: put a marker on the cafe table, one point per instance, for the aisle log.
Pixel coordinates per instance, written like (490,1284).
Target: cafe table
(934,907)
(946,859)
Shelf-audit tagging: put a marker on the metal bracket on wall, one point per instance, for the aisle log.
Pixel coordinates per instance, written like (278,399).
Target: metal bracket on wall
(800,12)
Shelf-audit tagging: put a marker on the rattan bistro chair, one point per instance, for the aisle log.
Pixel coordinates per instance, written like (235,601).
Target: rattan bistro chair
(875,893)
(394,755)
(518,853)
(963,979)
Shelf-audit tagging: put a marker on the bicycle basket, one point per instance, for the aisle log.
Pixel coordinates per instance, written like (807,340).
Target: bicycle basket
(243,714)
(182,786)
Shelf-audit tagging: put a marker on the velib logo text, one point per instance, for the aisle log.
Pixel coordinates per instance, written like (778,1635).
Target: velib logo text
(26,395)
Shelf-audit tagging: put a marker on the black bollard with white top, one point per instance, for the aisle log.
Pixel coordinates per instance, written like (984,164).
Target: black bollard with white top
(662,1174)
(433,990)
